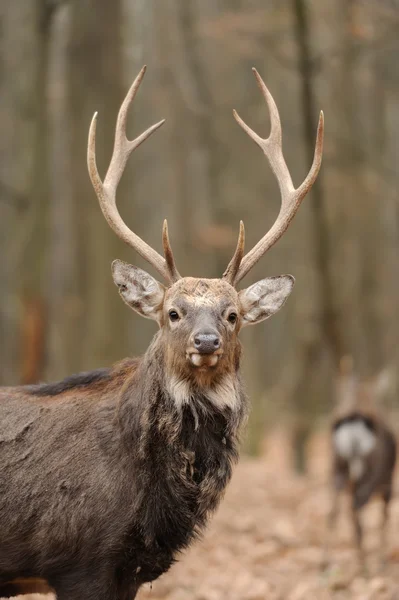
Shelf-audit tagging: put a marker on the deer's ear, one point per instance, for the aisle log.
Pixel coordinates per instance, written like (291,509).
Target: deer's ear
(264,298)
(139,290)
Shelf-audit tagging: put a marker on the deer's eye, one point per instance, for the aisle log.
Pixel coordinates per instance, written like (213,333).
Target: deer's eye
(173,316)
(232,318)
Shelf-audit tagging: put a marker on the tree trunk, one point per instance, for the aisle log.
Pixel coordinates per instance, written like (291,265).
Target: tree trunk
(24,175)
(87,315)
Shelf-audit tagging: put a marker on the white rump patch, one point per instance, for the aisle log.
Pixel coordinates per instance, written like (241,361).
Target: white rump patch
(353,441)
(223,395)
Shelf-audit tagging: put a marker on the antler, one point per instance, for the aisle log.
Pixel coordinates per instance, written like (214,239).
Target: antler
(291,198)
(106,191)
(233,266)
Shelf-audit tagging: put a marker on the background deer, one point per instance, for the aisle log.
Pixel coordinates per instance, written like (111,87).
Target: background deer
(363,453)
(106,476)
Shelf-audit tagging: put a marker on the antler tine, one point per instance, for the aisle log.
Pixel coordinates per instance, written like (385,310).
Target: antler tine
(106,191)
(233,266)
(291,198)
(167,250)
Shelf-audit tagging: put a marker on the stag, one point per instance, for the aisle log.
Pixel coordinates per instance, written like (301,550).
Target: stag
(363,455)
(106,476)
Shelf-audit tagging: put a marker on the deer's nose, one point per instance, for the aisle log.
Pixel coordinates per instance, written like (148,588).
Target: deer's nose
(206,343)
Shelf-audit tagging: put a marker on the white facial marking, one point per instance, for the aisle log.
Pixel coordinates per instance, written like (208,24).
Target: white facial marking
(203,360)
(196,359)
(205,300)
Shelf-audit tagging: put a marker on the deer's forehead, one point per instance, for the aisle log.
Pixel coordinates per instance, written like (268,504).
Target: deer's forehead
(202,292)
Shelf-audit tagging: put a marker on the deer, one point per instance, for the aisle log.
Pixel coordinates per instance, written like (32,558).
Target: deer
(363,456)
(107,476)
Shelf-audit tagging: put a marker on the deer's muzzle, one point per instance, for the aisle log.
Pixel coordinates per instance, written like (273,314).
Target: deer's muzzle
(205,349)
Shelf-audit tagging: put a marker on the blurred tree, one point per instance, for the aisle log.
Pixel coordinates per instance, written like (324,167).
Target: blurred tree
(24,190)
(87,316)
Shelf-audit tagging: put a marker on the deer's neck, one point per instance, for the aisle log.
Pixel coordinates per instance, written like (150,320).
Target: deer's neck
(184,441)
(159,393)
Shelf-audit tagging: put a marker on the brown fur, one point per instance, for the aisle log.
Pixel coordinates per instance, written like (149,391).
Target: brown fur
(20,587)
(106,476)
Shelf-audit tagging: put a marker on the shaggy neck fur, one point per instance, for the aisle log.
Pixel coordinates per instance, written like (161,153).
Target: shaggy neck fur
(160,388)
(185,440)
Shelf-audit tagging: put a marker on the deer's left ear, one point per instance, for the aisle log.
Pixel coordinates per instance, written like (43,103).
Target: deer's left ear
(264,298)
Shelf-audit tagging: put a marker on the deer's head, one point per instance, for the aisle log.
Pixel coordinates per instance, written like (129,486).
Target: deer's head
(200,318)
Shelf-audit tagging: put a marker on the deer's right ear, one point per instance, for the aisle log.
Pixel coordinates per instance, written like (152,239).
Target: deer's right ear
(139,290)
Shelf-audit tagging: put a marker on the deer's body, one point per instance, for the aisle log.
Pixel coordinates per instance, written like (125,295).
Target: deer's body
(105,477)
(363,454)
(119,483)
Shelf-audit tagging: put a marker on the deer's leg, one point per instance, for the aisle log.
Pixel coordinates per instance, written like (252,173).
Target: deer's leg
(331,526)
(339,479)
(88,587)
(21,587)
(75,593)
(386,497)
(92,589)
(358,530)
(128,592)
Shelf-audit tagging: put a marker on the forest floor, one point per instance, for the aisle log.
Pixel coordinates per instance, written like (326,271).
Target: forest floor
(265,541)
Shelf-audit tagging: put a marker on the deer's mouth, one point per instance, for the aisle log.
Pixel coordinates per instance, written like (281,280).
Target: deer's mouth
(204,361)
